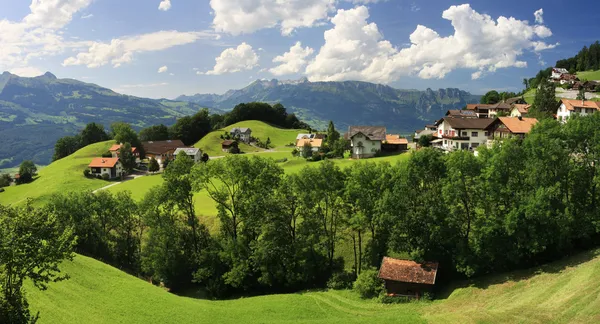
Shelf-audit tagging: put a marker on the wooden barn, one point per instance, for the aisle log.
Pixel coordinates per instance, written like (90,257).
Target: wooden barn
(407,278)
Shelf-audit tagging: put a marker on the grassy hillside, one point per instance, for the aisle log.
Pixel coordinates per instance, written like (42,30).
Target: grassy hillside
(280,137)
(589,75)
(63,175)
(563,292)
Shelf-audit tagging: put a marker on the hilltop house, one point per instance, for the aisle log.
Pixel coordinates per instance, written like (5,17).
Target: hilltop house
(505,127)
(110,166)
(161,150)
(226,145)
(365,140)
(194,153)
(114,150)
(558,72)
(519,110)
(315,144)
(243,134)
(462,133)
(569,108)
(407,278)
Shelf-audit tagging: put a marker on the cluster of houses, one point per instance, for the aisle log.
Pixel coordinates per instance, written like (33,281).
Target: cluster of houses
(562,76)
(159,150)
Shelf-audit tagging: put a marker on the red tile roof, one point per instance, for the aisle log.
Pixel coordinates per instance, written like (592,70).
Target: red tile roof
(103,162)
(116,147)
(518,125)
(395,139)
(571,104)
(408,271)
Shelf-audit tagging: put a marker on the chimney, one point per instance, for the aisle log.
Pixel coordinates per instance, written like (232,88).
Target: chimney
(520,117)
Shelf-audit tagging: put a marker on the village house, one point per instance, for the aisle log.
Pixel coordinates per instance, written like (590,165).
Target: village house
(161,150)
(589,86)
(505,127)
(519,110)
(459,114)
(243,134)
(194,153)
(226,145)
(568,79)
(109,166)
(462,133)
(315,144)
(405,278)
(570,107)
(558,72)
(365,141)
(114,150)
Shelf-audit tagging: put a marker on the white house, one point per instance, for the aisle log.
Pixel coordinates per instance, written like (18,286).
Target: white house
(519,110)
(463,133)
(194,153)
(365,140)
(242,133)
(110,166)
(315,144)
(489,110)
(570,107)
(558,72)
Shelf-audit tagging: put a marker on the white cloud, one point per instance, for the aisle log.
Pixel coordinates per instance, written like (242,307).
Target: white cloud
(414,7)
(365,1)
(121,50)
(53,14)
(163,69)
(355,49)
(164,5)
(246,16)
(26,71)
(539,16)
(234,60)
(87,16)
(293,61)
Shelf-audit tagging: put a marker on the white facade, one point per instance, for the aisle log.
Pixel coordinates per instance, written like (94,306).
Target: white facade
(465,139)
(194,153)
(118,170)
(563,114)
(557,73)
(515,112)
(363,147)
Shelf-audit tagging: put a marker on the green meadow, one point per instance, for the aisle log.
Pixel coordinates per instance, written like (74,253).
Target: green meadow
(589,75)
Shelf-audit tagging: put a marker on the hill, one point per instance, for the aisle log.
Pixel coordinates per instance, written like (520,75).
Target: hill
(346,103)
(35,112)
(63,175)
(589,75)
(562,292)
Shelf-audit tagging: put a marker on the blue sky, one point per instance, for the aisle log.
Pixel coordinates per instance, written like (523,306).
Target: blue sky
(162,48)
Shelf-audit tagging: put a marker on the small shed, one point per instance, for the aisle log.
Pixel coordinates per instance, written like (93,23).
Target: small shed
(407,278)
(394,143)
(227,144)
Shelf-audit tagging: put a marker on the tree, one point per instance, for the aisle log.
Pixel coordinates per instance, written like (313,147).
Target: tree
(425,140)
(545,104)
(153,165)
(332,135)
(27,171)
(205,158)
(154,133)
(581,93)
(127,158)
(32,245)
(526,83)
(66,146)
(491,97)
(93,133)
(5,180)
(307,150)
(191,129)
(123,133)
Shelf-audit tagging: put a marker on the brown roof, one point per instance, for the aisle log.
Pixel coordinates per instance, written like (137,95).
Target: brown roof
(523,109)
(116,147)
(468,123)
(572,104)
(103,162)
(477,106)
(501,105)
(408,271)
(374,133)
(316,142)
(395,139)
(160,147)
(515,100)
(518,125)
(461,113)
(227,142)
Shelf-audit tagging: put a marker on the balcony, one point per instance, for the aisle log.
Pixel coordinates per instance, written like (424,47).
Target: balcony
(456,137)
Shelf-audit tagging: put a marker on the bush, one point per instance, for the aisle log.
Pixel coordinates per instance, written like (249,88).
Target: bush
(86,173)
(385,299)
(330,155)
(341,280)
(107,154)
(105,177)
(368,285)
(295,152)
(234,150)
(1,189)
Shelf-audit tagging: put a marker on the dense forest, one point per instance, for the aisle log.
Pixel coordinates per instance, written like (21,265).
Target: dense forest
(587,59)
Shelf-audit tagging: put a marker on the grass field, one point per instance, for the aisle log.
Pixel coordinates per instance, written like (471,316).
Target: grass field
(63,175)
(563,292)
(589,75)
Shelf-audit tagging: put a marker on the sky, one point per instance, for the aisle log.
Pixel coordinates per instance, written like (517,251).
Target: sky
(166,48)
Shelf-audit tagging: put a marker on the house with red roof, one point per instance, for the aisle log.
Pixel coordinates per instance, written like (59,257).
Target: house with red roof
(571,107)
(114,150)
(407,278)
(109,166)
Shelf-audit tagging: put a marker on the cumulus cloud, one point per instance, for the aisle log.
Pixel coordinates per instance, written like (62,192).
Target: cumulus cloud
(235,60)
(356,50)
(163,69)
(246,16)
(365,1)
(121,50)
(87,16)
(293,61)
(164,5)
(539,16)
(53,14)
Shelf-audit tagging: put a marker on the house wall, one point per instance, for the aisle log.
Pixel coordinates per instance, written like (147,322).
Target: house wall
(515,112)
(471,142)
(406,289)
(563,114)
(118,171)
(368,149)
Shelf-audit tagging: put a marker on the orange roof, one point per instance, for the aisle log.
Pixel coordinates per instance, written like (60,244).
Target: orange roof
(103,162)
(571,104)
(523,109)
(408,271)
(116,147)
(315,142)
(518,125)
(395,139)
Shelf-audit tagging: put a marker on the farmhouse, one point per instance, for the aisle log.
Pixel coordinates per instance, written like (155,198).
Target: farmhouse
(505,127)
(519,110)
(365,140)
(558,72)
(110,166)
(161,150)
(314,143)
(114,150)
(407,278)
(570,107)
(226,145)
(194,153)
(589,86)
(241,133)
(463,133)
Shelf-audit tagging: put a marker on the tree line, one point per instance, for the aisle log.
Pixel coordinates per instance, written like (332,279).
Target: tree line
(587,59)
(188,129)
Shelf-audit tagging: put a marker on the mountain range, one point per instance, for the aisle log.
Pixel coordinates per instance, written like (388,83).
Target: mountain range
(35,112)
(346,103)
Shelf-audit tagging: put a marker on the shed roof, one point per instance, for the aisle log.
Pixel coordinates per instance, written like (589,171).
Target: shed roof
(395,139)
(227,142)
(408,271)
(103,162)
(374,133)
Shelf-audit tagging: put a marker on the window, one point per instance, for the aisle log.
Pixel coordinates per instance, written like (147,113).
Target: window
(474,134)
(486,134)
(474,145)
(446,132)
(464,134)
(445,142)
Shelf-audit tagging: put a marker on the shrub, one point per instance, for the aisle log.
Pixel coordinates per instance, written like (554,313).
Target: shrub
(330,155)
(105,177)
(368,285)
(1,189)
(107,154)
(98,176)
(295,152)
(86,173)
(341,280)
(385,299)
(234,150)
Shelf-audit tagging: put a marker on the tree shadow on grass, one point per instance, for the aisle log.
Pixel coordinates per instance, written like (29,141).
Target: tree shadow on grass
(519,275)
